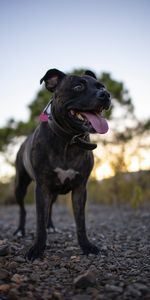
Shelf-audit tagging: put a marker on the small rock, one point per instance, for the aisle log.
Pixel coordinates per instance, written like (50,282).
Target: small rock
(55,257)
(113,267)
(13,294)
(35,277)
(4,274)
(113,288)
(133,291)
(102,236)
(20,259)
(104,250)
(36,262)
(3,242)
(75,258)
(71,248)
(141,287)
(56,295)
(13,265)
(93,269)
(5,287)
(85,280)
(81,297)
(17,278)
(91,255)
(4,250)
(63,270)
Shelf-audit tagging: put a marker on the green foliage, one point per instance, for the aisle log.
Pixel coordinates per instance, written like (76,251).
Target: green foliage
(7,133)
(118,93)
(118,161)
(131,188)
(7,192)
(137,196)
(39,103)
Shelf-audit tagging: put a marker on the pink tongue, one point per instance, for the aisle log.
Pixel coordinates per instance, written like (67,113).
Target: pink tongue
(98,123)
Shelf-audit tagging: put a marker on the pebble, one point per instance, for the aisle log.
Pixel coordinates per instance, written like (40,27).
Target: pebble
(141,287)
(17,278)
(13,294)
(5,287)
(120,271)
(56,295)
(4,250)
(81,297)
(133,291)
(113,288)
(20,259)
(13,265)
(4,274)
(85,280)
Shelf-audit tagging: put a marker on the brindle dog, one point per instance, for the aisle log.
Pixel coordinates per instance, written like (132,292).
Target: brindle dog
(58,156)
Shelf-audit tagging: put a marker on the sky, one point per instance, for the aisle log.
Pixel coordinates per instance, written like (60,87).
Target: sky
(111,36)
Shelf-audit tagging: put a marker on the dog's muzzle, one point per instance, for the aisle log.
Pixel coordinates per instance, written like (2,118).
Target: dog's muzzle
(104,97)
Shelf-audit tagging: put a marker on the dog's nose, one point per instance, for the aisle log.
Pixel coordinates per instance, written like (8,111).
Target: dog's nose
(102,94)
(104,97)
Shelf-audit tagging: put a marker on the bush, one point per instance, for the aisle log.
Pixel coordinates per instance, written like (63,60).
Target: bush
(130,188)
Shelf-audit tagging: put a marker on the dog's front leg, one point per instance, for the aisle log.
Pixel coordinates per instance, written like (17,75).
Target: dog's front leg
(79,200)
(50,225)
(41,209)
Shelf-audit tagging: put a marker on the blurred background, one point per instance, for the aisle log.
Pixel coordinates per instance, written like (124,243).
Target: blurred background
(109,37)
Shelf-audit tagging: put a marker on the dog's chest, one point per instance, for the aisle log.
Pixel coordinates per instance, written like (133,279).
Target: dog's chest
(65,179)
(63,175)
(69,168)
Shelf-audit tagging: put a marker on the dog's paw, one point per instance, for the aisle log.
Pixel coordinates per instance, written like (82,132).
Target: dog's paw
(34,252)
(53,230)
(19,232)
(90,248)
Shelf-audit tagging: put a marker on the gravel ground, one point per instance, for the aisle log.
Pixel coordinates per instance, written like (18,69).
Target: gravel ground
(120,271)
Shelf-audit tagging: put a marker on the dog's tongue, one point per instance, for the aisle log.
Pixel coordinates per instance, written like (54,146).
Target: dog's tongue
(97,121)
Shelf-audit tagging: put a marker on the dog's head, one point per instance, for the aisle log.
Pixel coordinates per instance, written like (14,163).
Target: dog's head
(78,101)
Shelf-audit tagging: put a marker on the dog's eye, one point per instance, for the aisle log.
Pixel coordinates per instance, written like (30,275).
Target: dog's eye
(79,87)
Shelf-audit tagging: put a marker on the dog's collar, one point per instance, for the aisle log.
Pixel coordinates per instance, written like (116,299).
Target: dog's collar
(80,139)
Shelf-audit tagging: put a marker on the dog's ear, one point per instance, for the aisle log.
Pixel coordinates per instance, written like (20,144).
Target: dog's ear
(90,73)
(52,78)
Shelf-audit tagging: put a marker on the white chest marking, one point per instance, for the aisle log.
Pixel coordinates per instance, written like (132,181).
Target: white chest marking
(64,174)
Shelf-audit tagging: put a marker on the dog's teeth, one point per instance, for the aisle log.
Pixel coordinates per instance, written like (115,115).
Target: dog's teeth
(79,117)
(72,112)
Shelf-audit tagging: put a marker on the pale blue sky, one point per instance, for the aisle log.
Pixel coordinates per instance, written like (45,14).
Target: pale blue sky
(110,35)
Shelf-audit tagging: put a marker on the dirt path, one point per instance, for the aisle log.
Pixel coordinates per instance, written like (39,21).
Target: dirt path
(120,271)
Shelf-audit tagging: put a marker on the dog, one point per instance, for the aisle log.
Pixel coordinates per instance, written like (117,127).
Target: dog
(58,155)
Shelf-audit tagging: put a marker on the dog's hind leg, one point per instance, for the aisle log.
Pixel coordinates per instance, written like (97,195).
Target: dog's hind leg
(21,183)
(50,226)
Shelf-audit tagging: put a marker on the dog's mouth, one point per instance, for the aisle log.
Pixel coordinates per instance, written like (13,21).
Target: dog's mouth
(93,121)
